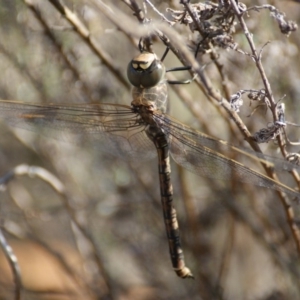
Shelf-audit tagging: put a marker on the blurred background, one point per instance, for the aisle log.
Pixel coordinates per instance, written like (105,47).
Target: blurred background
(104,236)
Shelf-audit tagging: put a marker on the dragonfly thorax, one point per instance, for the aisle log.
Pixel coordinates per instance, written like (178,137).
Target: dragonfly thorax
(153,98)
(145,70)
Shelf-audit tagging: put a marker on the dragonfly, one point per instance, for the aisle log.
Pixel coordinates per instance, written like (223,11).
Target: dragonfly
(140,131)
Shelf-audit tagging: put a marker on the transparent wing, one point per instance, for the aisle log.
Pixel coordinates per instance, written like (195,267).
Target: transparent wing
(115,129)
(198,153)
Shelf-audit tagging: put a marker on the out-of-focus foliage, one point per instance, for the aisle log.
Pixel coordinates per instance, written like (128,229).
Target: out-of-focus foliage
(236,237)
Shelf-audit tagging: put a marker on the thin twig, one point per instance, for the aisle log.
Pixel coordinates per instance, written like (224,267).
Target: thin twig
(23,71)
(56,44)
(159,13)
(93,43)
(13,263)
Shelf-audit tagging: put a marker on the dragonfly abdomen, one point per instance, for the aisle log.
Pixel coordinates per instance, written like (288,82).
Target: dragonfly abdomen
(161,143)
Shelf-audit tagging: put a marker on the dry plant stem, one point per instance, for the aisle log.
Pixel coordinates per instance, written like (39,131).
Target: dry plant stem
(136,9)
(241,214)
(220,68)
(29,234)
(213,54)
(205,288)
(55,43)
(257,58)
(227,252)
(13,263)
(143,20)
(213,94)
(141,17)
(190,102)
(158,12)
(22,71)
(94,45)
(99,6)
(189,207)
(69,270)
(26,234)
(104,288)
(194,17)
(58,186)
(122,24)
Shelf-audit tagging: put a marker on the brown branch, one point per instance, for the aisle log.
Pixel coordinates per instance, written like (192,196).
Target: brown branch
(241,214)
(56,44)
(93,43)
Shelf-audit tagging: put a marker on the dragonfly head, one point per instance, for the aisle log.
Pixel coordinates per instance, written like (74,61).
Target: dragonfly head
(145,70)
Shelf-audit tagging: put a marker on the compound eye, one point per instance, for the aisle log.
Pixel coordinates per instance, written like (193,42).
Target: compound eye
(145,70)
